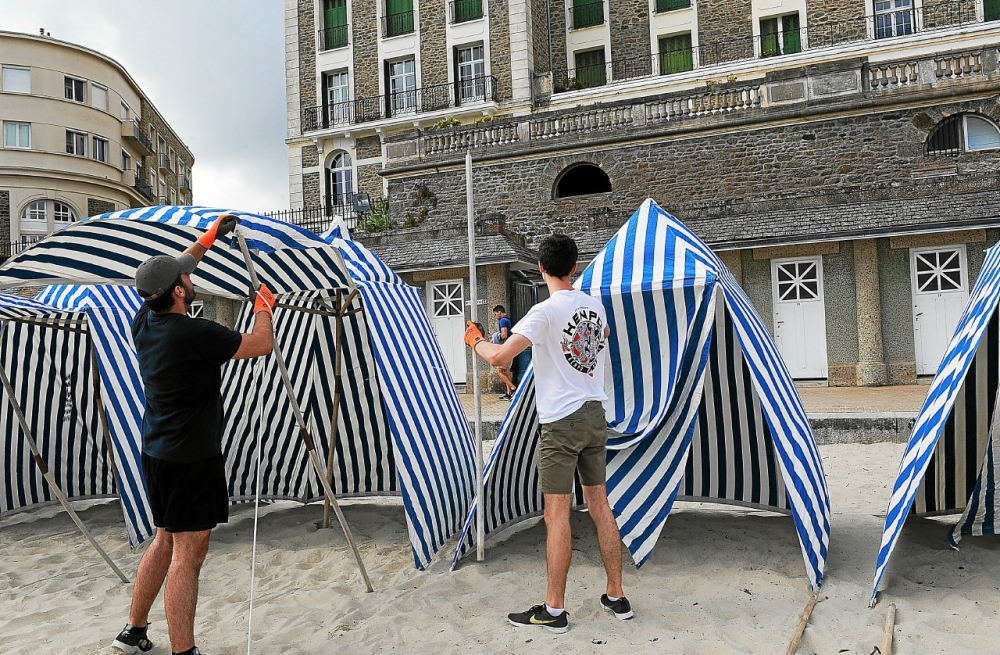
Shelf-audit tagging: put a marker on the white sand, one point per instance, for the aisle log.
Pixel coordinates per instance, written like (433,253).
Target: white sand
(720,580)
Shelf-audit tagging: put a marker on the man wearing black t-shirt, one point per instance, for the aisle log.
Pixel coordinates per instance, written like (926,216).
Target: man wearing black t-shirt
(180,361)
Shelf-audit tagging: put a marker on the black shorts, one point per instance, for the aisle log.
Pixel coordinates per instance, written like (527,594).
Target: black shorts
(187,496)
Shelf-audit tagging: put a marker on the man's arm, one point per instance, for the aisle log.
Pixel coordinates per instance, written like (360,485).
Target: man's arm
(494,353)
(260,340)
(222,226)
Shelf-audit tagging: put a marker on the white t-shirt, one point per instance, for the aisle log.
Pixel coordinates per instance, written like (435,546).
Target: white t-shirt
(567,338)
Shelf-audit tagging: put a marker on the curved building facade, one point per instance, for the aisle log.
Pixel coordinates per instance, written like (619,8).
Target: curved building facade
(79,138)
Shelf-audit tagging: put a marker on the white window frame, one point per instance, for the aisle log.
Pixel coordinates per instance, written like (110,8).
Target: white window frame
(99,149)
(78,139)
(18,126)
(68,214)
(965,131)
(93,96)
(126,160)
(9,79)
(471,88)
(31,211)
(340,178)
(893,10)
(124,112)
(337,97)
(83,88)
(403,86)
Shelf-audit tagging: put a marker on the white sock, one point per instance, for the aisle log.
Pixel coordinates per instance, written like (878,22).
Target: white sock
(613,599)
(553,611)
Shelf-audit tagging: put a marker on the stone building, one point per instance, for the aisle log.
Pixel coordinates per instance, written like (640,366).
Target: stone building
(842,155)
(79,138)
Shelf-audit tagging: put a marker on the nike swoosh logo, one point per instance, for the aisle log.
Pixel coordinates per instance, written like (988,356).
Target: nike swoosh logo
(540,621)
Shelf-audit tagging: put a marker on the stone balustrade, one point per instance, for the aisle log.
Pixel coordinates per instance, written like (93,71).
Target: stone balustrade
(958,65)
(891,76)
(703,104)
(603,118)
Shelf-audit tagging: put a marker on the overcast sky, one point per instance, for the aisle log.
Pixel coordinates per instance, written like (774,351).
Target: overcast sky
(215,70)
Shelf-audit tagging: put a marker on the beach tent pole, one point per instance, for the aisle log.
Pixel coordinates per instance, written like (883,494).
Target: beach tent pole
(800,627)
(101,414)
(340,308)
(303,428)
(477,400)
(45,470)
(888,629)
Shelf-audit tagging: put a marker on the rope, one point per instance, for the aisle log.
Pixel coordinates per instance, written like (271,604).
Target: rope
(256,504)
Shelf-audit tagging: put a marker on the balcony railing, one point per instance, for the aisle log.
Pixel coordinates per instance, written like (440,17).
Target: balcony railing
(131,130)
(144,189)
(185,182)
(8,250)
(165,161)
(319,219)
(396,24)
(587,15)
(461,11)
(333,37)
(472,91)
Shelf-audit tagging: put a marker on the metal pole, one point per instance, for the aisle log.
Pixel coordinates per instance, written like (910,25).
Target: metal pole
(48,476)
(303,429)
(474,294)
(341,309)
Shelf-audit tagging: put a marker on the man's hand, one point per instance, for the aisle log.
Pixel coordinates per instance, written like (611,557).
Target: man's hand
(473,334)
(265,301)
(222,226)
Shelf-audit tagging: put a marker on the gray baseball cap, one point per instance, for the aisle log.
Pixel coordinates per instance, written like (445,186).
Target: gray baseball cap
(156,275)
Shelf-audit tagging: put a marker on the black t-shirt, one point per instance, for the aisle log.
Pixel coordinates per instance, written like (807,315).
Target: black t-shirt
(180,361)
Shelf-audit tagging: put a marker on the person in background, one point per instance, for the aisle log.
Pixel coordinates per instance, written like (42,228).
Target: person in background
(504,326)
(567,333)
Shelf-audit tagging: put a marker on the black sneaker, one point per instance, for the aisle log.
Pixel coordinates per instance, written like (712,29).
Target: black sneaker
(506,396)
(131,640)
(540,616)
(621,608)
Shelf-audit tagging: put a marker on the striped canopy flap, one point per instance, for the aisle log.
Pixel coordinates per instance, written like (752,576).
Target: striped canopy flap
(953,435)
(692,415)
(49,349)
(107,249)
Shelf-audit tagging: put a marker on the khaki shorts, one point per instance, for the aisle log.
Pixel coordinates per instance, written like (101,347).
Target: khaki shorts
(574,443)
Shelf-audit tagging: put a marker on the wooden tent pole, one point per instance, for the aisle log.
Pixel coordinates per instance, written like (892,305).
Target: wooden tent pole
(101,413)
(341,309)
(36,455)
(888,629)
(303,428)
(800,628)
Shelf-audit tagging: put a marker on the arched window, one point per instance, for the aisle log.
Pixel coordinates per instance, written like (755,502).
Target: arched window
(580,180)
(963,133)
(34,211)
(63,213)
(339,186)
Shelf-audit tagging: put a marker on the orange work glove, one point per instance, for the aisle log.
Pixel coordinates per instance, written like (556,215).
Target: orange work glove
(222,226)
(473,335)
(265,301)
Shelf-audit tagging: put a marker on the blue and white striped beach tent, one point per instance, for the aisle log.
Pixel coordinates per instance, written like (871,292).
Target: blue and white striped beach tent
(49,349)
(398,427)
(950,464)
(701,405)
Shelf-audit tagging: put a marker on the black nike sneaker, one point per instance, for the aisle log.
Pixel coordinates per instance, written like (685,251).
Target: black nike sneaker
(621,608)
(132,640)
(540,616)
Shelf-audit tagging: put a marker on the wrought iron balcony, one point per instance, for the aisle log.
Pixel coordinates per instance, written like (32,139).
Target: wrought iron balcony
(331,38)
(587,15)
(473,91)
(318,219)
(164,159)
(185,182)
(132,132)
(462,11)
(144,189)
(397,24)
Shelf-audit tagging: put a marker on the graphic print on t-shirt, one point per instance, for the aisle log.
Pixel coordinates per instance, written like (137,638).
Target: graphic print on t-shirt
(583,339)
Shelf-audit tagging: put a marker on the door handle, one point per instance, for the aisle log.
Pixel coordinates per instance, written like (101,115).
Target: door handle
(919,315)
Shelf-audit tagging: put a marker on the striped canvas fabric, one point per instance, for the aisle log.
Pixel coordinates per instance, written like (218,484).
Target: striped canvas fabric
(64,416)
(701,405)
(947,465)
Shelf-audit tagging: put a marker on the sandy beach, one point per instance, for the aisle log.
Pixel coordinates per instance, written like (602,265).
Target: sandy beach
(721,580)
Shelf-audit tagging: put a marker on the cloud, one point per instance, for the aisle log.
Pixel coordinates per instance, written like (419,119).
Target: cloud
(214,70)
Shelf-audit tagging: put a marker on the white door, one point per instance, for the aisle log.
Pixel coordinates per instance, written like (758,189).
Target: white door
(446,307)
(799,315)
(939,279)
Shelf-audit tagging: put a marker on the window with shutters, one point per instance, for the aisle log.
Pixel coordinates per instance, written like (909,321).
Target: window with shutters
(16,79)
(587,13)
(335,31)
(780,35)
(398,17)
(671,5)
(590,68)
(991,9)
(99,97)
(676,54)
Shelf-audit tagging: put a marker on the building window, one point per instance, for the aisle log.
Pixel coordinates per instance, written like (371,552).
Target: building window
(125,112)
(100,152)
(76,89)
(780,36)
(126,161)
(35,211)
(590,69)
(334,33)
(99,96)
(76,143)
(893,18)
(63,213)
(337,96)
(587,13)
(339,185)
(676,54)
(163,191)
(402,86)
(580,180)
(991,9)
(16,135)
(16,80)
(670,5)
(466,10)
(471,74)
(398,17)
(963,133)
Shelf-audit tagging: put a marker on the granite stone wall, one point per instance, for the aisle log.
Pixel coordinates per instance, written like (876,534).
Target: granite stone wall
(5,217)
(310,156)
(943,13)
(725,31)
(307,54)
(97,206)
(369,181)
(829,22)
(311,190)
(540,35)
(897,313)
(499,11)
(630,46)
(364,41)
(433,47)
(151,121)
(368,147)
(841,325)
(557,16)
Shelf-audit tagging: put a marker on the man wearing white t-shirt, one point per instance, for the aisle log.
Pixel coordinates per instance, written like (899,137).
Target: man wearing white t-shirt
(567,334)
